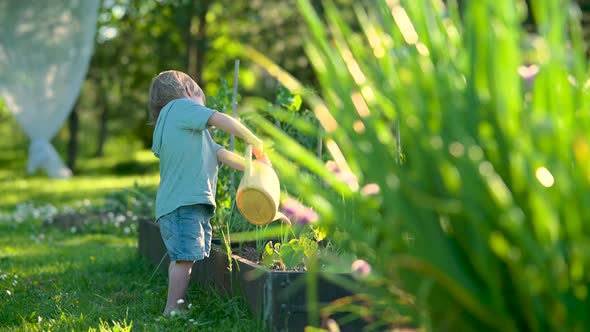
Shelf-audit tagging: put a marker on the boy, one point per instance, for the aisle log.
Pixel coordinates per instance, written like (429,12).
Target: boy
(189,161)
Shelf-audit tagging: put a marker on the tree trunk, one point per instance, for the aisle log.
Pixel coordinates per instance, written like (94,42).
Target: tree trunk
(103,117)
(197,43)
(201,42)
(73,126)
(102,132)
(191,48)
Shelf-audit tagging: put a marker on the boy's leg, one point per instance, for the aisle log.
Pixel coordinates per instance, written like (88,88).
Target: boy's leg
(179,274)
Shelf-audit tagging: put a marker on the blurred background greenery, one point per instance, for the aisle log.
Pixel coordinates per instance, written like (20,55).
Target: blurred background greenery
(470,182)
(137,39)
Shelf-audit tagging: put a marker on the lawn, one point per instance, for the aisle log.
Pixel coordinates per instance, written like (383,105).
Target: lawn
(90,277)
(95,178)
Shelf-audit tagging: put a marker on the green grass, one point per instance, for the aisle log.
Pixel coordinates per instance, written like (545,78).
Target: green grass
(93,279)
(65,281)
(94,180)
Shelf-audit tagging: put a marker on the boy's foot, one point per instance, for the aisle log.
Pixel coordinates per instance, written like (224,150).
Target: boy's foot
(174,312)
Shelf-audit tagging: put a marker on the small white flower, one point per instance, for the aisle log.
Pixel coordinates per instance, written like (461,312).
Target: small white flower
(190,305)
(126,230)
(16,276)
(8,292)
(39,319)
(173,313)
(191,320)
(3,276)
(180,301)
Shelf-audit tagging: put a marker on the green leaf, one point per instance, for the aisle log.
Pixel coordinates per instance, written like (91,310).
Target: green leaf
(268,256)
(295,103)
(319,233)
(292,253)
(309,246)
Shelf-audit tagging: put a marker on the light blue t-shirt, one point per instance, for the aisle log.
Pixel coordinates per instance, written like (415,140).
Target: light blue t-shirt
(188,156)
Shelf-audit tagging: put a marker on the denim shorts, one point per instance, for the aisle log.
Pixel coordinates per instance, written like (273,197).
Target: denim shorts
(186,232)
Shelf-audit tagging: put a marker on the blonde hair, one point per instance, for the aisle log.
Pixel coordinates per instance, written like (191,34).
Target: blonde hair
(167,86)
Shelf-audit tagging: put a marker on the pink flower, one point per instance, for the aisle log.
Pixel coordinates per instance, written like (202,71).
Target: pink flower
(371,189)
(360,269)
(528,73)
(345,176)
(332,167)
(298,212)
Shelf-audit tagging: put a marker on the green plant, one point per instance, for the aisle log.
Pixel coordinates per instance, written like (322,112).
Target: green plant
(226,221)
(287,110)
(137,201)
(482,227)
(289,255)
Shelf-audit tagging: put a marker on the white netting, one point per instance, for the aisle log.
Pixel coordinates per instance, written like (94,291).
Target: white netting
(45,47)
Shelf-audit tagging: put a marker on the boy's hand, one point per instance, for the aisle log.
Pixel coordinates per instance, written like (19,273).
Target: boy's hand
(264,160)
(256,146)
(258,153)
(261,157)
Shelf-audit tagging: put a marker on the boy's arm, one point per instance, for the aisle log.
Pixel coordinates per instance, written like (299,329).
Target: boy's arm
(236,161)
(231,159)
(234,127)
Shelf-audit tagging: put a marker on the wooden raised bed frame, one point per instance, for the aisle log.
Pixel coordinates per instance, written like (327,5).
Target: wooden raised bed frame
(276,297)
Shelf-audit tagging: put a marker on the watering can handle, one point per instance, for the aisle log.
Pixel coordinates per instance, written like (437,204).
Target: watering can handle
(248,160)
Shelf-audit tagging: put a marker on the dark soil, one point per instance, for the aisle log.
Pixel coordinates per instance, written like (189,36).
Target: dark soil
(248,251)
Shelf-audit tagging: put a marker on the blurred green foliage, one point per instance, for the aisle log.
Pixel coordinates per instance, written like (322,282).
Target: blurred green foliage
(479,220)
(483,226)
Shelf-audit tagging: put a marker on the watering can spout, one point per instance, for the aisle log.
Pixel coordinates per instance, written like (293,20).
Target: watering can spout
(280,216)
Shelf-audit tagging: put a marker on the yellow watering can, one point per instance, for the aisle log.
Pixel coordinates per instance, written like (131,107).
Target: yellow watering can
(258,193)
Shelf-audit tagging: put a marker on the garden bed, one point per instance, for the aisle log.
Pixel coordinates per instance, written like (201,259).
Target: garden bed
(277,297)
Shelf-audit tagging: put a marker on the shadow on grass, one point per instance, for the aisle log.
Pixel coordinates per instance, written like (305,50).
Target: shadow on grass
(116,166)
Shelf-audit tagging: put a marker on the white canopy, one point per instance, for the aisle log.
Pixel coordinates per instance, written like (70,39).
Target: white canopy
(45,48)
